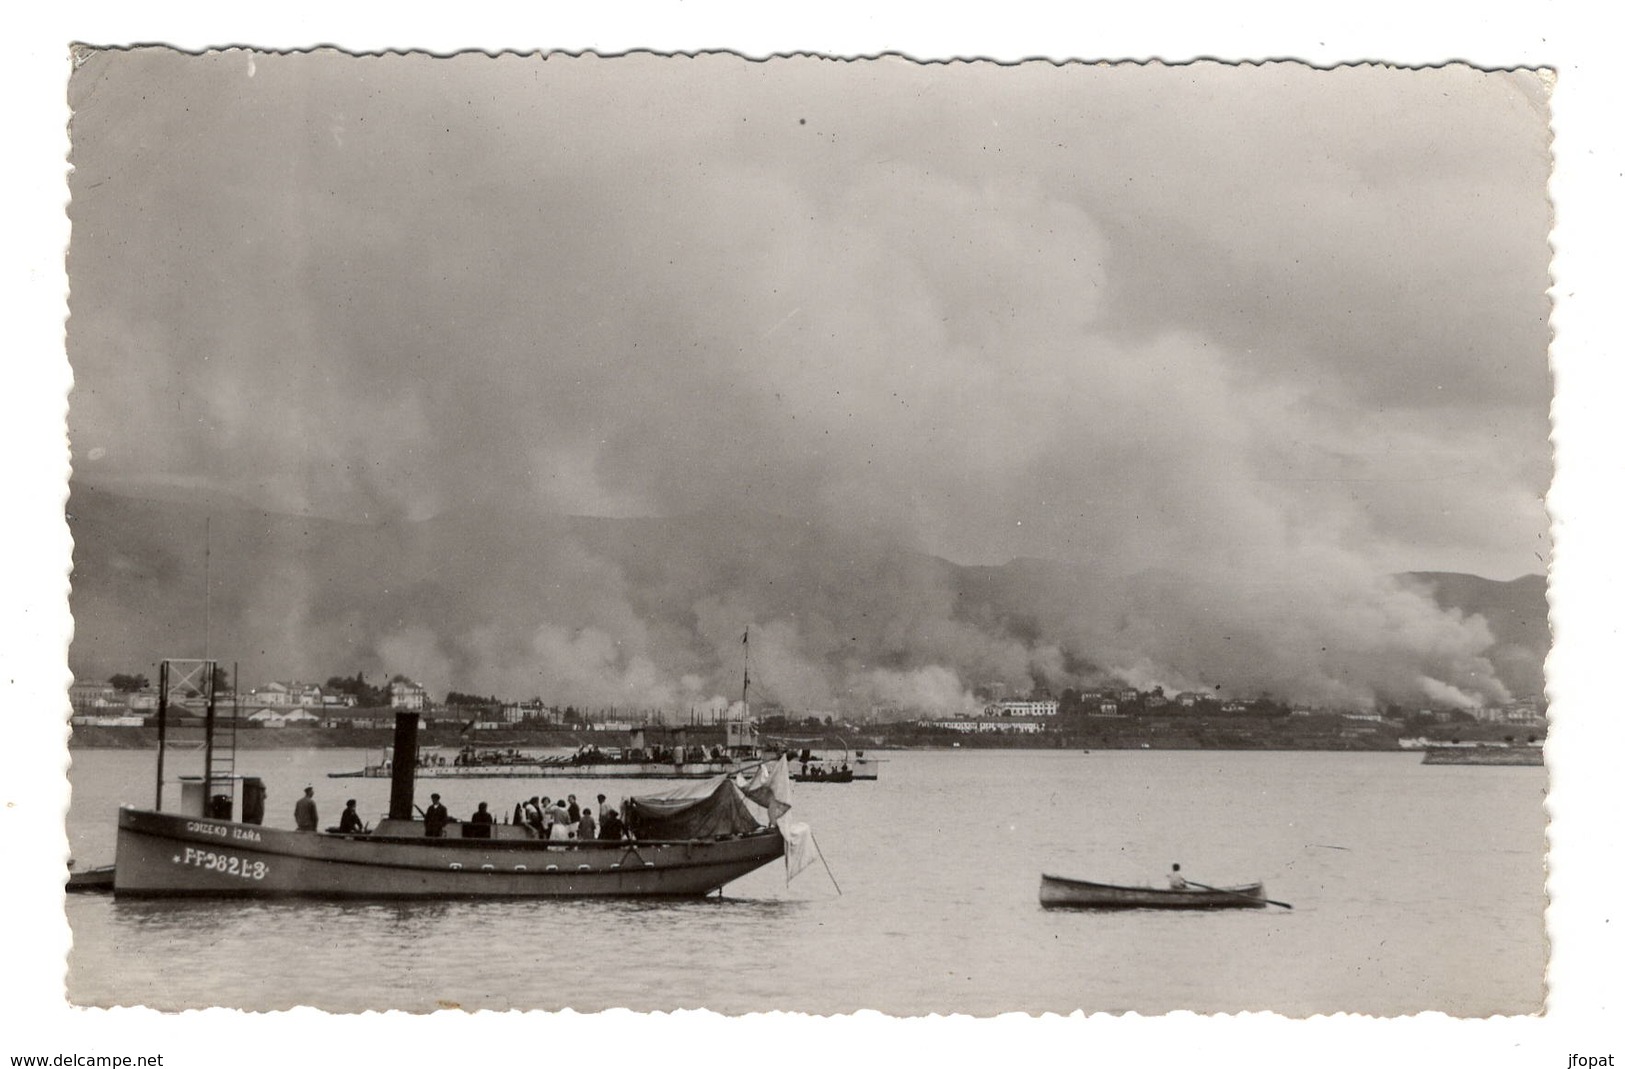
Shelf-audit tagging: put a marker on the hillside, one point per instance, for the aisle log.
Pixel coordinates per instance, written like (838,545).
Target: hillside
(631,612)
(1516,612)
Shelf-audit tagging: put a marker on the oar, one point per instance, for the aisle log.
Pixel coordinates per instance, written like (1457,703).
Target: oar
(1250,898)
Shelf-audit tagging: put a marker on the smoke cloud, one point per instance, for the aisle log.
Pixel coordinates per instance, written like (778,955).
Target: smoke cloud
(1225,347)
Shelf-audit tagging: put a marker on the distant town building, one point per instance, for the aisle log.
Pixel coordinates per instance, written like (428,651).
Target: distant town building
(405,694)
(282,716)
(988,725)
(87,695)
(109,721)
(1023,708)
(344,718)
(1525,712)
(285,695)
(517,712)
(274,695)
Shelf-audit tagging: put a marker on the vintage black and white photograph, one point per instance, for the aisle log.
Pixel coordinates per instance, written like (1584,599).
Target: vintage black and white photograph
(876,535)
(1042,537)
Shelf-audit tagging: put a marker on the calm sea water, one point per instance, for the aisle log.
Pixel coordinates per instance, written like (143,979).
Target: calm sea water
(1414,888)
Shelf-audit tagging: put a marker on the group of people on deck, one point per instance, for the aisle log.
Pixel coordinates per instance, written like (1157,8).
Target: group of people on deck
(560,821)
(564,819)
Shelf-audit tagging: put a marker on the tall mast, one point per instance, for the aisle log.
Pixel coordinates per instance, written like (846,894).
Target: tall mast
(163,713)
(207,523)
(744,694)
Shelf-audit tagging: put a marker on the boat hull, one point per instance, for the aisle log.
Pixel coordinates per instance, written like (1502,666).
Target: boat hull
(90,880)
(1059,892)
(163,854)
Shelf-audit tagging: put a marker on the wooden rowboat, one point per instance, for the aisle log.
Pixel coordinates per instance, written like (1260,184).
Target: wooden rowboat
(1059,892)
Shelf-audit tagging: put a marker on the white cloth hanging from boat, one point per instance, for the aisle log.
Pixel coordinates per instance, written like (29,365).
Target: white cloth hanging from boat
(799,848)
(770,789)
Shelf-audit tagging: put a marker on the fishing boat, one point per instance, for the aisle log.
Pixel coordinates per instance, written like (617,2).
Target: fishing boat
(1060,892)
(691,841)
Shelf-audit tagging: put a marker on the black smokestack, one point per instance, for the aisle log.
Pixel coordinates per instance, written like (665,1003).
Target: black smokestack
(404,775)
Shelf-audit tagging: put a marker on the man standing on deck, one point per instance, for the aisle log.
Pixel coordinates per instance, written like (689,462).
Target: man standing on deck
(434,818)
(304,811)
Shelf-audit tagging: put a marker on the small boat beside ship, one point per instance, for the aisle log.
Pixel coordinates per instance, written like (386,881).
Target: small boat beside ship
(690,841)
(1060,892)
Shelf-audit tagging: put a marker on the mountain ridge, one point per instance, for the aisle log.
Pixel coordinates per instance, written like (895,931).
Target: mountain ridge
(649,609)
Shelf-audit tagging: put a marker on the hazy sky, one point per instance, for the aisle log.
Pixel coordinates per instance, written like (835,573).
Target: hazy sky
(1138,315)
(1270,333)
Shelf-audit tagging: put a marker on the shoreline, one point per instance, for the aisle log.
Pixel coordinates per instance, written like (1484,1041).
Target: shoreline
(146,738)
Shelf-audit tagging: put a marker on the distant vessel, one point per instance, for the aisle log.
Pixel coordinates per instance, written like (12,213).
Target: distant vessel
(680,760)
(80,881)
(1059,892)
(1486,753)
(823,774)
(690,842)
(816,769)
